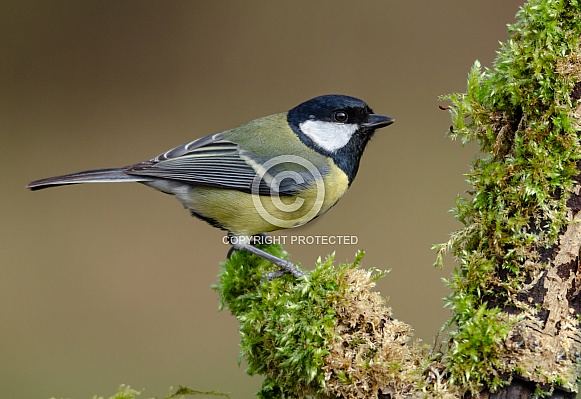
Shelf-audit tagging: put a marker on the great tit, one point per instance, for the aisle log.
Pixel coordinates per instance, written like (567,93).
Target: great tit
(272,173)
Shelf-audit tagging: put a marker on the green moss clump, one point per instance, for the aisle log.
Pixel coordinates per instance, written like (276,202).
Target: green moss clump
(324,335)
(520,112)
(126,392)
(285,325)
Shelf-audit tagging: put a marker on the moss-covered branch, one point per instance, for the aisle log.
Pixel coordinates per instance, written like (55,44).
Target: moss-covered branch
(324,335)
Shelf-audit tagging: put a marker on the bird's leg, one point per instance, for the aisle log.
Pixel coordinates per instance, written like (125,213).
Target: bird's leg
(261,238)
(285,265)
(239,243)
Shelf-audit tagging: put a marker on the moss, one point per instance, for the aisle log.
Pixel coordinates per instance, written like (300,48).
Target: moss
(284,327)
(521,114)
(126,392)
(370,351)
(324,335)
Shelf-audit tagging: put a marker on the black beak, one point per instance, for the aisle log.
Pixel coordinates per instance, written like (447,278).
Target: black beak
(378,121)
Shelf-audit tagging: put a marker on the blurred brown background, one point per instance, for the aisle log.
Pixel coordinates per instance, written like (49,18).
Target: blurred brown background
(108,284)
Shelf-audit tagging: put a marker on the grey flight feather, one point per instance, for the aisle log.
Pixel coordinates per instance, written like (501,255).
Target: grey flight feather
(113,175)
(214,161)
(209,161)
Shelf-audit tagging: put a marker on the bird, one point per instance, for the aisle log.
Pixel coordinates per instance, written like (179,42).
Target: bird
(276,172)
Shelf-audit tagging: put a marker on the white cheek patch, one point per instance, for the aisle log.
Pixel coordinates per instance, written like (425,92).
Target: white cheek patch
(330,136)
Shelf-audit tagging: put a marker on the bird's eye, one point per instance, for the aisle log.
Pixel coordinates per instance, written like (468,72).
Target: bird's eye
(340,116)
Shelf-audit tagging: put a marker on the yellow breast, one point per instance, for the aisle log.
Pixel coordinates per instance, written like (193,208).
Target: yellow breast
(249,214)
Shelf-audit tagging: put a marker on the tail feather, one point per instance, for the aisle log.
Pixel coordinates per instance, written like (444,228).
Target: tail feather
(114,175)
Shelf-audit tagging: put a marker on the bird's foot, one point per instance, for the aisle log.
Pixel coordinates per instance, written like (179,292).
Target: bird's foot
(286,267)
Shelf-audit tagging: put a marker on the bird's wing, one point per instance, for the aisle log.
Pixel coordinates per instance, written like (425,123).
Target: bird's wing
(214,161)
